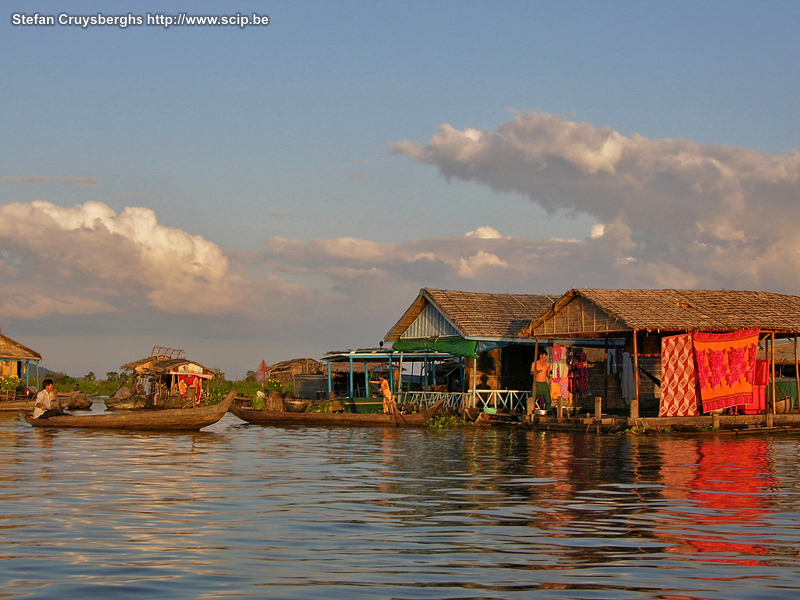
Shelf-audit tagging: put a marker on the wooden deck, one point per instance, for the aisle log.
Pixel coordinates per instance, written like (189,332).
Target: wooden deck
(732,424)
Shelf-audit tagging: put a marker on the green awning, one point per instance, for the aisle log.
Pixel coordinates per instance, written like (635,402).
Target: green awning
(457,346)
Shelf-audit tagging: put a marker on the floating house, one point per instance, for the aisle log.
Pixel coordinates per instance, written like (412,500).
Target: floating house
(168,379)
(484,329)
(414,377)
(16,361)
(694,352)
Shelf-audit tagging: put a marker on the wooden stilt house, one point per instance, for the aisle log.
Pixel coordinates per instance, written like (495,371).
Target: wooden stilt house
(15,366)
(484,328)
(641,321)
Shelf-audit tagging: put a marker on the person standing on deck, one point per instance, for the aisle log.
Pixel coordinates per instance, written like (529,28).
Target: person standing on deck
(386,392)
(46,401)
(541,373)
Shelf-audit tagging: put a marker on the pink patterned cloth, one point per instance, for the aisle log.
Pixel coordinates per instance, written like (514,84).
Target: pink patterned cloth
(680,395)
(726,365)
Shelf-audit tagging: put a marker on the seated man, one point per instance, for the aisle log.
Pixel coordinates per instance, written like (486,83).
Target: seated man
(46,401)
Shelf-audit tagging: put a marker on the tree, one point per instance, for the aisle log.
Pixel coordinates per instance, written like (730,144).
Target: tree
(112,376)
(90,376)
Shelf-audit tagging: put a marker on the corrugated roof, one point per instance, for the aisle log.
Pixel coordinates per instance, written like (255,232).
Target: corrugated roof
(11,350)
(477,315)
(686,310)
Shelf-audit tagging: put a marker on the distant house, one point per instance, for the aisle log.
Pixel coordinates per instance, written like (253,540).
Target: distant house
(305,377)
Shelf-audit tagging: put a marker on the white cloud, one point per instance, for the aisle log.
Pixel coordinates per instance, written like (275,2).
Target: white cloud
(681,212)
(89,259)
(485,232)
(597,231)
(471,267)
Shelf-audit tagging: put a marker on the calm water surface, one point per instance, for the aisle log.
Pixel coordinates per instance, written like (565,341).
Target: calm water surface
(243,511)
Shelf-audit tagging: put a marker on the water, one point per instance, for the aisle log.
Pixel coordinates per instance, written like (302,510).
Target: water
(242,511)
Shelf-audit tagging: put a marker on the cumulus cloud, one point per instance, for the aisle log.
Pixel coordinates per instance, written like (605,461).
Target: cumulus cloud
(709,214)
(485,232)
(470,262)
(89,259)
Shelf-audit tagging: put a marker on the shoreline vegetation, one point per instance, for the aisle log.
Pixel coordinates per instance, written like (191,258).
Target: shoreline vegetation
(218,388)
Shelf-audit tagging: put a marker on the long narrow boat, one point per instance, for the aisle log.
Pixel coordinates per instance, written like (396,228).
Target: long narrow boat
(188,419)
(266,417)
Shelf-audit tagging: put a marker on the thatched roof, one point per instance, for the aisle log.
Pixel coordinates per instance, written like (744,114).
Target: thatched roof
(11,350)
(297,366)
(474,315)
(594,311)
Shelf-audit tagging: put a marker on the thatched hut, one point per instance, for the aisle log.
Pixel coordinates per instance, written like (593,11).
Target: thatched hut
(482,326)
(640,320)
(15,361)
(167,378)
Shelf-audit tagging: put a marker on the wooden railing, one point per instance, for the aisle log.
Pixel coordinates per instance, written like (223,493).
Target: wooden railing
(506,400)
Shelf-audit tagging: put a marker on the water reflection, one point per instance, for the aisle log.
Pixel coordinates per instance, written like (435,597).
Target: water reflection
(249,511)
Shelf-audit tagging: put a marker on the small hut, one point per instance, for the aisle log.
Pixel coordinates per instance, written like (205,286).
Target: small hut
(485,329)
(168,379)
(15,363)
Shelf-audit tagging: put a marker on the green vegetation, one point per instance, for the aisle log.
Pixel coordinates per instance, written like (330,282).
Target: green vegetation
(9,382)
(445,422)
(91,385)
(636,430)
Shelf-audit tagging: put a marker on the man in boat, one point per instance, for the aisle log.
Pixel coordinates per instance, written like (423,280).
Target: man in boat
(46,405)
(540,370)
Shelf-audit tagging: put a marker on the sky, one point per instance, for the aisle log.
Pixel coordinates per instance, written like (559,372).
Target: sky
(280,191)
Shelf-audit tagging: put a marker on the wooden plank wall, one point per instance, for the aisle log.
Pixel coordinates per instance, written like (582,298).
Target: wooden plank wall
(580,317)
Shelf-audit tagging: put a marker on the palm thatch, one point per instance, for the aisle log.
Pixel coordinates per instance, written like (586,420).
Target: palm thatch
(473,315)
(603,312)
(11,350)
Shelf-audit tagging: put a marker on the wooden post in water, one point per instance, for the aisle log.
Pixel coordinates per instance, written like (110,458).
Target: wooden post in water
(559,409)
(774,386)
(605,371)
(796,375)
(598,408)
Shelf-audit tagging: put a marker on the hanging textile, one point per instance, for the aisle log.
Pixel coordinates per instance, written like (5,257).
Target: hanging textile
(578,372)
(680,396)
(758,403)
(187,381)
(726,365)
(559,372)
(627,378)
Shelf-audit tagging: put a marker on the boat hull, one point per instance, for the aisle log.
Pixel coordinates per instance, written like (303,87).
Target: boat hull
(265,417)
(190,419)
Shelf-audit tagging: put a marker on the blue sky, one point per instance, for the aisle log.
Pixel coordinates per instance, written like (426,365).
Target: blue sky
(304,165)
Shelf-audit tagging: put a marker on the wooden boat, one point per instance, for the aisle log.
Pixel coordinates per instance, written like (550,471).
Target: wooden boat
(142,420)
(126,403)
(268,417)
(74,401)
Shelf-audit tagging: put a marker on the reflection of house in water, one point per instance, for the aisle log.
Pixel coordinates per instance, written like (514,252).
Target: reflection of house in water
(720,490)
